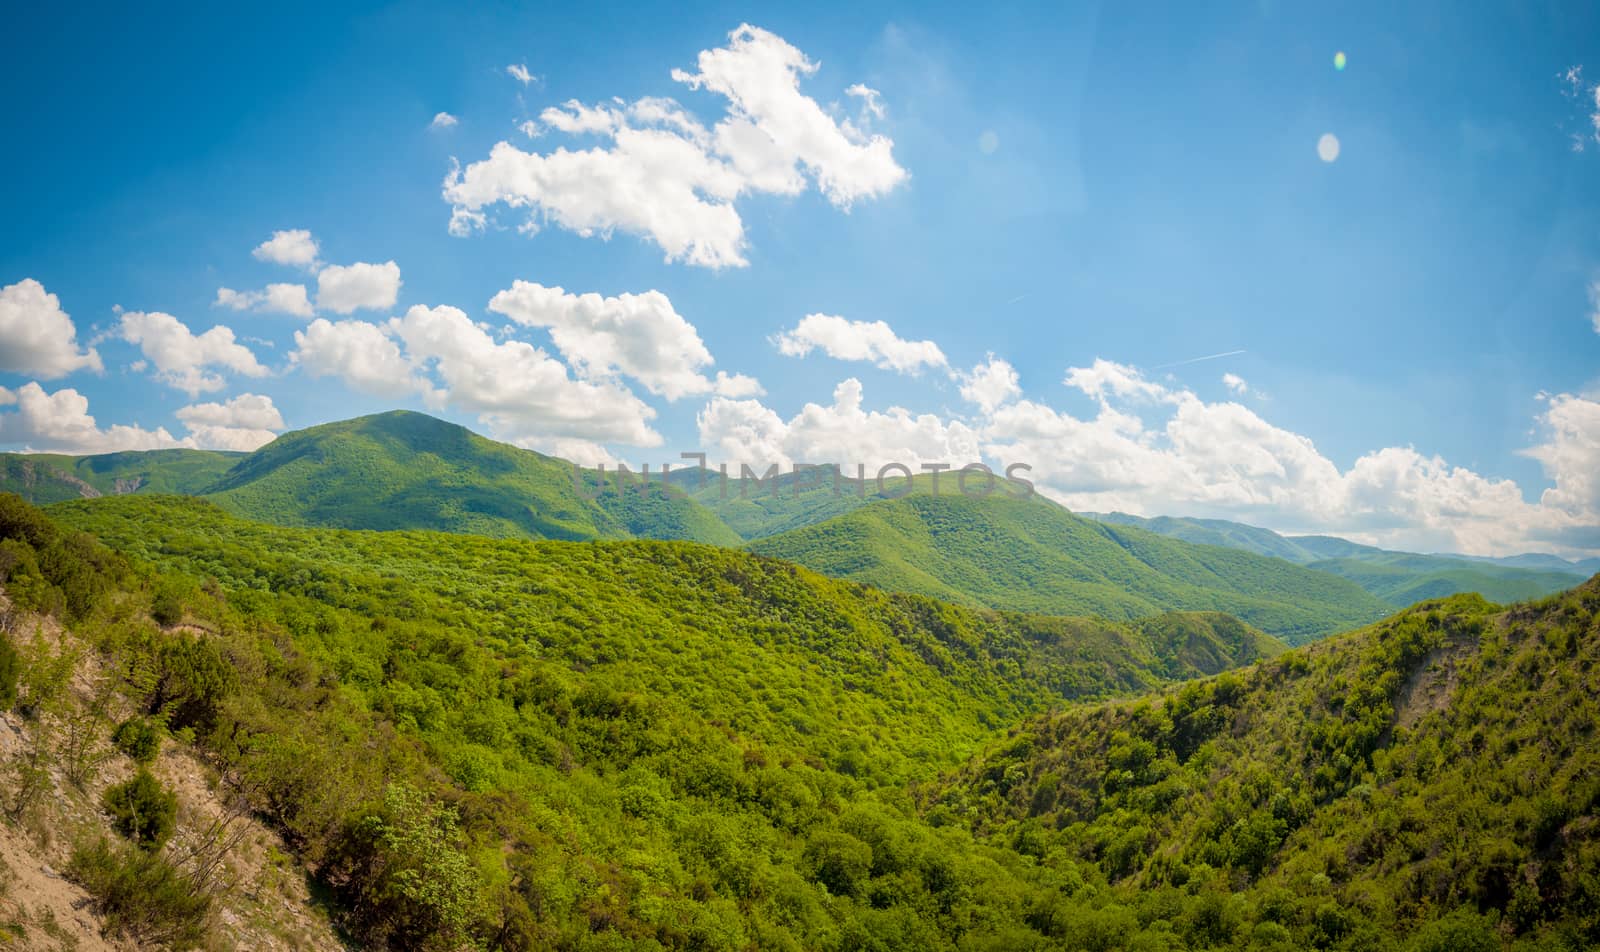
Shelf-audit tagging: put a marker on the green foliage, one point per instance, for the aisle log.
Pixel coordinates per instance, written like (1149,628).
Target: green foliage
(1033,555)
(515,744)
(139,738)
(407,881)
(141,895)
(1345,795)
(10,672)
(46,478)
(142,810)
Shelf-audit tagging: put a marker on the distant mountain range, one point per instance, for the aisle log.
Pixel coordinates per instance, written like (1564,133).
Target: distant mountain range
(1399,578)
(404,470)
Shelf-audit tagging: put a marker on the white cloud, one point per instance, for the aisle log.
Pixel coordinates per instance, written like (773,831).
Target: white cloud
(639,335)
(294,247)
(666,177)
(443,120)
(1571,456)
(247,422)
(251,411)
(859,340)
(60,423)
(273,299)
(519,72)
(181,356)
(521,393)
(871,99)
(745,431)
(1236,384)
(769,117)
(36,335)
(361,286)
(358,353)
(1222,460)
(990,384)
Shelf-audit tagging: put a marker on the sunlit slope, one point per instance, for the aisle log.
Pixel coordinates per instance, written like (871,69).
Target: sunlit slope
(1443,764)
(403,470)
(1031,555)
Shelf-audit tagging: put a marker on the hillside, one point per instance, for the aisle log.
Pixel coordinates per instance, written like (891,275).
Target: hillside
(45,478)
(1398,578)
(403,470)
(1031,555)
(1435,776)
(520,744)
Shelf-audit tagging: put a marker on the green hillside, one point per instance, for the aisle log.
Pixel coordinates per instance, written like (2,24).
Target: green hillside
(518,744)
(1432,782)
(403,470)
(1402,579)
(1031,555)
(43,478)
(1398,578)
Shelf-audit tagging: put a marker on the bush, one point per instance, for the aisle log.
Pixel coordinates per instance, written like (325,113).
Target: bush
(143,810)
(10,672)
(139,738)
(167,607)
(141,895)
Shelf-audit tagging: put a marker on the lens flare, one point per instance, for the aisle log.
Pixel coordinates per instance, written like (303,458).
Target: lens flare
(1339,61)
(1328,147)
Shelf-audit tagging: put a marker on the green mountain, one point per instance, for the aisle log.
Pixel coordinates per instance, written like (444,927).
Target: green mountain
(43,478)
(1032,555)
(513,744)
(1399,578)
(1433,779)
(405,470)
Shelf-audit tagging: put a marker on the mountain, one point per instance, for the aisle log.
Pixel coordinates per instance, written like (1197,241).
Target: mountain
(1434,776)
(503,743)
(45,478)
(1232,535)
(1032,555)
(1399,578)
(403,470)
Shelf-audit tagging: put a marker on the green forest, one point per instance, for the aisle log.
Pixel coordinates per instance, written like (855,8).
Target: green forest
(503,744)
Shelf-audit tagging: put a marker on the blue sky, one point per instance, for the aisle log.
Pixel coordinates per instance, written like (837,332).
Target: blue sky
(1093,195)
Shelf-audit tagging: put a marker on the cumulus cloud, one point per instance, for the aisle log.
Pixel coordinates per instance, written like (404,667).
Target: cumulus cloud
(520,73)
(443,120)
(36,335)
(637,335)
(60,423)
(246,422)
(343,289)
(1153,449)
(520,393)
(1236,384)
(665,176)
(874,341)
(990,384)
(294,247)
(745,431)
(288,299)
(360,354)
(181,357)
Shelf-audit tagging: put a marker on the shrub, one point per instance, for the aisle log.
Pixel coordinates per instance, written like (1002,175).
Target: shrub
(143,810)
(139,738)
(141,895)
(10,671)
